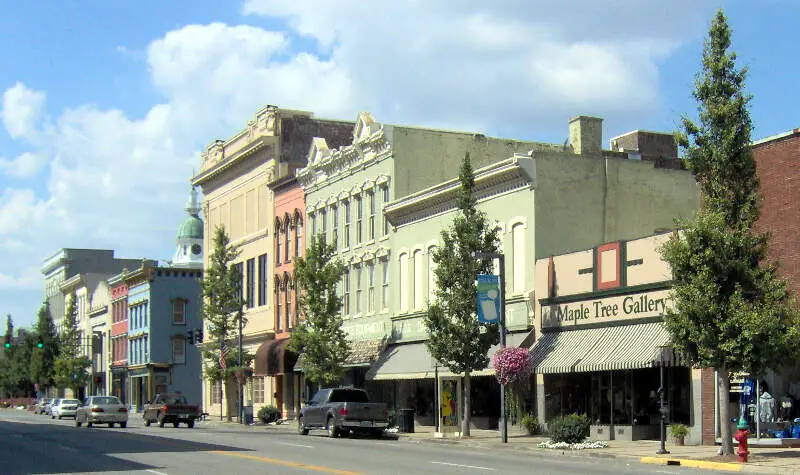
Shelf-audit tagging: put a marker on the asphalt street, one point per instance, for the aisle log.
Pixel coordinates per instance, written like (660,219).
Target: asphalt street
(31,444)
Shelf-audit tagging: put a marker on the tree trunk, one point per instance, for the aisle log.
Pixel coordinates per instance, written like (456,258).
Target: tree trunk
(230,398)
(723,386)
(467,419)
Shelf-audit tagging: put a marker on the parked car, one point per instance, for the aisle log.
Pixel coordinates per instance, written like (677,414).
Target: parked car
(170,409)
(101,410)
(64,408)
(41,404)
(341,411)
(46,406)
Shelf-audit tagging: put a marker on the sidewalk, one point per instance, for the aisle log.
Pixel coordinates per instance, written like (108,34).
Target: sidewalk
(762,459)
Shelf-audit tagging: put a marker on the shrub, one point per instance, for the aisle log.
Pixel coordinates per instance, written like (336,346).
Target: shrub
(678,430)
(571,429)
(268,414)
(531,424)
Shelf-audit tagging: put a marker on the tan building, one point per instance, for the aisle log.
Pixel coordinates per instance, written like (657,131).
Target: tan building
(234,175)
(601,344)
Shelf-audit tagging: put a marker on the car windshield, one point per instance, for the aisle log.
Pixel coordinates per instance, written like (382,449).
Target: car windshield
(105,400)
(70,401)
(348,395)
(174,399)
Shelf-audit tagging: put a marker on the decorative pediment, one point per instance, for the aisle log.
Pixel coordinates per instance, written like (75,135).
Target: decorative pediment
(319,151)
(382,252)
(355,190)
(382,180)
(365,127)
(332,200)
(355,260)
(367,256)
(344,196)
(368,185)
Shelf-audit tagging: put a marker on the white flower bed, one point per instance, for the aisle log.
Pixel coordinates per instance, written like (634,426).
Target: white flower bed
(596,444)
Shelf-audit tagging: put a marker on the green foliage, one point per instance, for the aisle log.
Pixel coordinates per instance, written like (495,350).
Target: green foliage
(531,424)
(678,430)
(455,338)
(269,414)
(71,369)
(43,360)
(730,311)
(319,335)
(571,429)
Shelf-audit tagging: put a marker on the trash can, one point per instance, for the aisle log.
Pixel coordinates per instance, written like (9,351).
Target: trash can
(405,420)
(248,414)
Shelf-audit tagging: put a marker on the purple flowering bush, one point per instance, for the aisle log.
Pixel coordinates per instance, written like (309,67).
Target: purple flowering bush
(512,364)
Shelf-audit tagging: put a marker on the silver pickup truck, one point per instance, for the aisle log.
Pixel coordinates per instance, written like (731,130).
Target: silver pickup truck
(341,411)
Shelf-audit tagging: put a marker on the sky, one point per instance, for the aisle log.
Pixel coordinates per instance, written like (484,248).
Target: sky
(107,105)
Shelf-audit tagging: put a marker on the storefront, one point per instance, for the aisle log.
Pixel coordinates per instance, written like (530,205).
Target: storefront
(119,383)
(602,348)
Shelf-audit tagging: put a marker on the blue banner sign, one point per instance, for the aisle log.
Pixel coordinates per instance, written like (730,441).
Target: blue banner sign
(488,298)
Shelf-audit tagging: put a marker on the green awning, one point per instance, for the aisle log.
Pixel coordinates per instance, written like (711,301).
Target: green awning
(602,349)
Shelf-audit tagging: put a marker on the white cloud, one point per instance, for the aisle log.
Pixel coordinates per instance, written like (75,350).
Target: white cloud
(22,109)
(119,182)
(24,166)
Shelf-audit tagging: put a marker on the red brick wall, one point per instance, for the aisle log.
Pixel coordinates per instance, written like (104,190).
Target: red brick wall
(778,165)
(707,404)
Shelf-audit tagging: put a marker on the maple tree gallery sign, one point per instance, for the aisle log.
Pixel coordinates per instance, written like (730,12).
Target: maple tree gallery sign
(608,309)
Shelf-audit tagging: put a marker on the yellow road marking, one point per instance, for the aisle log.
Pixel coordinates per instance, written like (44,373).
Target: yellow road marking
(286,463)
(730,467)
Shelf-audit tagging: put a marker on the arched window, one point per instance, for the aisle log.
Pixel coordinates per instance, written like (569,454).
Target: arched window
(278,302)
(287,308)
(418,280)
(431,275)
(287,225)
(518,257)
(277,241)
(298,232)
(403,279)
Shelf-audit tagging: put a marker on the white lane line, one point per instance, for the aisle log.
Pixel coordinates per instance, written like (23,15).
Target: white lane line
(389,444)
(156,472)
(295,445)
(466,466)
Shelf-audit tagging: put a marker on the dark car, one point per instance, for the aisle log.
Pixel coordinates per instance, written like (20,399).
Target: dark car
(170,409)
(341,411)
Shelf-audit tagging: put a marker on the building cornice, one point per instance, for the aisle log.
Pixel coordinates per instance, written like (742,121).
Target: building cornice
(515,172)
(72,284)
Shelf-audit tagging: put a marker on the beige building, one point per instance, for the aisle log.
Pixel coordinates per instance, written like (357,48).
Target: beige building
(234,175)
(601,343)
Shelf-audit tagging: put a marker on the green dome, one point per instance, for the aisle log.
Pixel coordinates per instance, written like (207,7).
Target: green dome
(192,228)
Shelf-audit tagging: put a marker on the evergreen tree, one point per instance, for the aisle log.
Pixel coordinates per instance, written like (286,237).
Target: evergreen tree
(455,337)
(731,311)
(71,366)
(223,303)
(43,359)
(9,328)
(319,335)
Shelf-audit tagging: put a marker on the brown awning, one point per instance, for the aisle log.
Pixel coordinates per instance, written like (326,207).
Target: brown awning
(273,358)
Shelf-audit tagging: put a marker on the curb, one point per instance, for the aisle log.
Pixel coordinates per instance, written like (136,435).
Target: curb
(724,466)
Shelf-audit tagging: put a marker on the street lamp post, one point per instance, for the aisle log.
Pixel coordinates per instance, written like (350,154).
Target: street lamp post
(502,264)
(240,363)
(662,410)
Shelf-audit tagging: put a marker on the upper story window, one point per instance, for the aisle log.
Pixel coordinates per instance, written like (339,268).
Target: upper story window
(371,223)
(418,280)
(324,217)
(277,241)
(287,308)
(287,225)
(262,280)
(431,274)
(298,233)
(346,224)
(179,312)
(359,218)
(385,202)
(359,270)
(279,286)
(178,351)
(251,282)
(335,227)
(385,285)
(518,261)
(346,296)
(403,280)
(313,226)
(371,287)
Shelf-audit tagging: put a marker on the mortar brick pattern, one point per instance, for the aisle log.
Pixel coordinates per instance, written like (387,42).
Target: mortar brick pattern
(707,405)
(778,166)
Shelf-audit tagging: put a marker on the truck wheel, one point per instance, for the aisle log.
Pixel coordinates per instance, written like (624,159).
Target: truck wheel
(190,424)
(161,421)
(77,422)
(123,424)
(301,427)
(147,422)
(333,432)
(110,425)
(176,424)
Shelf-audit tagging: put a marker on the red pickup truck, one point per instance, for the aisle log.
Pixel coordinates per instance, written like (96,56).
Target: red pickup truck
(170,409)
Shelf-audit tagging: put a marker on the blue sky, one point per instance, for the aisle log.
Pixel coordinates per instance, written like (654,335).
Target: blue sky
(107,104)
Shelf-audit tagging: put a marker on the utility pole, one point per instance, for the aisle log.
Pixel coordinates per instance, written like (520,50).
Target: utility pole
(662,410)
(502,264)
(240,363)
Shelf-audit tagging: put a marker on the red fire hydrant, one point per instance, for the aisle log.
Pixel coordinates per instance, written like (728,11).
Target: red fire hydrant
(741,437)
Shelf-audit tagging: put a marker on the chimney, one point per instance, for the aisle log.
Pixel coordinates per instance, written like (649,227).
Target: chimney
(586,134)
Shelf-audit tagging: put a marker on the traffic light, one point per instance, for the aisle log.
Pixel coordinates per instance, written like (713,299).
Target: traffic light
(40,343)
(190,337)
(198,335)
(7,343)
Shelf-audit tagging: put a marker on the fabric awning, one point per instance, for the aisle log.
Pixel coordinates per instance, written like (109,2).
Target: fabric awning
(362,354)
(602,349)
(413,361)
(273,358)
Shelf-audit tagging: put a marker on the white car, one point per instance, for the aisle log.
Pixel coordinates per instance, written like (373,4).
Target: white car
(101,410)
(64,408)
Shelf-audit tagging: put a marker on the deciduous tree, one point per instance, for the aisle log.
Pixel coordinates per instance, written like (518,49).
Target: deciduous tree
(455,338)
(731,311)
(71,366)
(319,336)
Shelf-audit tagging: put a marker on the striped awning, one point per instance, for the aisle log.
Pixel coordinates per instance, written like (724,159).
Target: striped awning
(602,349)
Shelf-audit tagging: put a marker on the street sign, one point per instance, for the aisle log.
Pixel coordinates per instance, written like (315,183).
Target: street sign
(488,298)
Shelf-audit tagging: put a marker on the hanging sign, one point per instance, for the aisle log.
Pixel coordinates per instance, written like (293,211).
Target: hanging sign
(488,298)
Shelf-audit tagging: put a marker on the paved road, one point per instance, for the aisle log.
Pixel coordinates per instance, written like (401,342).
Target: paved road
(37,445)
